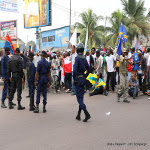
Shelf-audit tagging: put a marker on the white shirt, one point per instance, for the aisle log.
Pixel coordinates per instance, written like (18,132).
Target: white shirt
(36,60)
(129,55)
(88,59)
(148,62)
(110,63)
(72,59)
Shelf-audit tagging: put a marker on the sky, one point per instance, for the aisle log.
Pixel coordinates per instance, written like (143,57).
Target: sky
(60,14)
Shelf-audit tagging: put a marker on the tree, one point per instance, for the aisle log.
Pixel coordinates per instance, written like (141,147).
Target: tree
(113,31)
(90,20)
(136,21)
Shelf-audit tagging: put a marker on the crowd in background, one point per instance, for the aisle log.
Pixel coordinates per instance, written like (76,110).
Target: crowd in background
(106,64)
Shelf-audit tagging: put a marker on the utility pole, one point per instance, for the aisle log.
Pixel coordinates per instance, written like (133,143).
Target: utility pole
(70,20)
(39,26)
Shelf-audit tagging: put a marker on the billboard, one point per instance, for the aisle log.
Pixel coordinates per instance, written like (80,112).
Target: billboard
(56,38)
(9,27)
(9,5)
(31,16)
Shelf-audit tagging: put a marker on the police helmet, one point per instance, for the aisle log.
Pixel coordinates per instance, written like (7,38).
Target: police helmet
(80,48)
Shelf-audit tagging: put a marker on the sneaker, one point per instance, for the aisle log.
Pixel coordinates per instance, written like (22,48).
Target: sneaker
(141,94)
(73,94)
(134,95)
(149,98)
(68,91)
(106,93)
(126,101)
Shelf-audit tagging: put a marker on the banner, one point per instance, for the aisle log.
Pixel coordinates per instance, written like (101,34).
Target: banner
(56,38)
(9,27)
(31,16)
(9,5)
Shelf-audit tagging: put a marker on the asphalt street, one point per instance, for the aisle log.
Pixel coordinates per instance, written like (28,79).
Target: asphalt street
(113,126)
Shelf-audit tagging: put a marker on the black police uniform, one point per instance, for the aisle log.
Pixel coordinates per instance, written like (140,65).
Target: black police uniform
(80,66)
(15,71)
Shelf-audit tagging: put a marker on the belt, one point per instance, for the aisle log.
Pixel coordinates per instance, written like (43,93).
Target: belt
(79,76)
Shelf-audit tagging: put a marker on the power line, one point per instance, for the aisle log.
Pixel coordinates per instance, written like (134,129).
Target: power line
(65,11)
(66,8)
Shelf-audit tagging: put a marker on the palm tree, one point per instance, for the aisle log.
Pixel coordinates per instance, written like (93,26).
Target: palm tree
(113,31)
(90,20)
(136,21)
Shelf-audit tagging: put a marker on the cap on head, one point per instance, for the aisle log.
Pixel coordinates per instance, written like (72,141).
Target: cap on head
(17,50)
(31,54)
(7,49)
(124,50)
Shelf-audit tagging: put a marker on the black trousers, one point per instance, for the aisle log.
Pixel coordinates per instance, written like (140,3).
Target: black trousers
(144,87)
(16,83)
(110,75)
(97,91)
(68,79)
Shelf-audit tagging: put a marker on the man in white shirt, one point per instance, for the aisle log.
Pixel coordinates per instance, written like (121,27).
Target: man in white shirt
(72,59)
(110,64)
(37,58)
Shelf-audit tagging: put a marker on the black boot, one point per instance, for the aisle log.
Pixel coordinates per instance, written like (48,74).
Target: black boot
(78,115)
(87,116)
(36,108)
(3,105)
(44,109)
(13,104)
(10,105)
(20,107)
(32,107)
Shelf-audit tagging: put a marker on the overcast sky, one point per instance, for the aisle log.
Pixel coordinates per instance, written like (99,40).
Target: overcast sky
(60,15)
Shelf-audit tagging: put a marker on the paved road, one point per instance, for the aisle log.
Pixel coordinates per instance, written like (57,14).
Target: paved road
(58,130)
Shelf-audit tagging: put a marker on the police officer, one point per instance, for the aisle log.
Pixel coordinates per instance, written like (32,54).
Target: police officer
(80,66)
(5,76)
(15,71)
(43,73)
(123,72)
(30,78)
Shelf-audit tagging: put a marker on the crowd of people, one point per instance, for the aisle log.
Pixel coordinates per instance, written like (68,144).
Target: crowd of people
(45,70)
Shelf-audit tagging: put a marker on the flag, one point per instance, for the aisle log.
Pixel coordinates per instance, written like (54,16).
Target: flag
(62,73)
(67,65)
(9,44)
(119,47)
(122,38)
(93,45)
(73,39)
(123,33)
(86,40)
(17,44)
(92,78)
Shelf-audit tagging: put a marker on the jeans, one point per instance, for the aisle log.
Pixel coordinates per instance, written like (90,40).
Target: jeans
(133,90)
(73,86)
